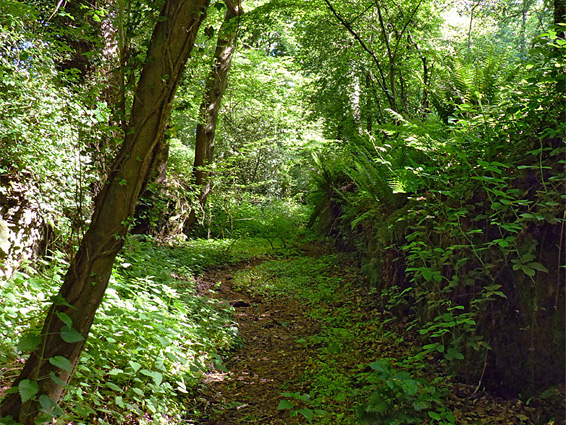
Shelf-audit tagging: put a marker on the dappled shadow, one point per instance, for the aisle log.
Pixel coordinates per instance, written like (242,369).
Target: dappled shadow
(270,358)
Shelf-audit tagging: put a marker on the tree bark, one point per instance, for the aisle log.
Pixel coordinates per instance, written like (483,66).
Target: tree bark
(208,114)
(560,13)
(87,278)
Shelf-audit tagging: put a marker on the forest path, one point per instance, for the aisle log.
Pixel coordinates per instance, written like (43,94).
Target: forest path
(309,327)
(268,359)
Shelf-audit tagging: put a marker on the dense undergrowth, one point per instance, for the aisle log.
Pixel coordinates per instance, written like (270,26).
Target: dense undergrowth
(459,223)
(155,336)
(152,340)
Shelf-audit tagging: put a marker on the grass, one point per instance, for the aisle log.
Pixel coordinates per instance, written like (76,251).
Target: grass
(356,362)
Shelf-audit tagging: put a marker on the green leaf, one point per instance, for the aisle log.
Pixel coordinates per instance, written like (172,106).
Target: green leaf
(83,411)
(410,387)
(285,404)
(454,354)
(114,372)
(307,413)
(46,403)
(70,335)
(27,389)
(434,415)
(120,402)
(57,380)
(156,376)
(135,366)
(29,342)
(64,317)
(61,362)
(537,266)
(49,406)
(527,270)
(113,386)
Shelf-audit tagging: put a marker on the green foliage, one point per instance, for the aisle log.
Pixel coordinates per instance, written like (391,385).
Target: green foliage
(334,388)
(397,398)
(153,337)
(47,130)
(463,86)
(480,190)
(278,222)
(304,278)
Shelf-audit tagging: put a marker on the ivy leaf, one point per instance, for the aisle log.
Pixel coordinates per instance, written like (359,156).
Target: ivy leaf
(57,380)
(46,403)
(27,389)
(61,362)
(70,335)
(29,342)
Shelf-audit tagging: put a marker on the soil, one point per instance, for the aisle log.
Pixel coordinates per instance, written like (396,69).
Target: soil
(269,358)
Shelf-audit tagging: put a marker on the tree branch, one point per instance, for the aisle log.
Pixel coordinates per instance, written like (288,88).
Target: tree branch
(382,83)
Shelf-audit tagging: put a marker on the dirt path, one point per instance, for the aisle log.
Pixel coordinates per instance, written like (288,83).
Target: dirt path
(268,360)
(271,361)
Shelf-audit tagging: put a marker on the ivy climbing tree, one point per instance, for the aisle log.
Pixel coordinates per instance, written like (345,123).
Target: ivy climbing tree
(57,349)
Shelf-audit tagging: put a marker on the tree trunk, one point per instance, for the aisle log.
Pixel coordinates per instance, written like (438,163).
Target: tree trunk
(87,278)
(560,13)
(208,115)
(560,18)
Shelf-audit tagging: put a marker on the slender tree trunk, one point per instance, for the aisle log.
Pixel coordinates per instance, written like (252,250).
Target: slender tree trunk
(87,278)
(381,81)
(210,106)
(391,57)
(560,14)
(560,18)
(369,105)
(476,5)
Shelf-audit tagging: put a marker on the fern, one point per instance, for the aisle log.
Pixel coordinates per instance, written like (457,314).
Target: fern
(372,178)
(468,83)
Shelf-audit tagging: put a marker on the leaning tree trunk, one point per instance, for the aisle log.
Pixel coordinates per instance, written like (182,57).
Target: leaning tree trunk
(70,317)
(208,114)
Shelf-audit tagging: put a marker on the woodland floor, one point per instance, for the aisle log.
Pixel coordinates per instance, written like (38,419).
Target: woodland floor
(309,325)
(268,360)
(272,358)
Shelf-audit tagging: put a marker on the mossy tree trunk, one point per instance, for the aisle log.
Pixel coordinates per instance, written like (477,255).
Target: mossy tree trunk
(210,106)
(70,317)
